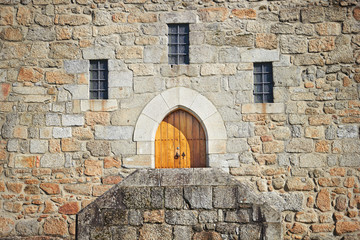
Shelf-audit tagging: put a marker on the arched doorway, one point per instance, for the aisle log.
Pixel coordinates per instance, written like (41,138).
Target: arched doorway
(180,142)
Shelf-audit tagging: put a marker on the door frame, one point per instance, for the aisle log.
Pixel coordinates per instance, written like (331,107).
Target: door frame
(194,103)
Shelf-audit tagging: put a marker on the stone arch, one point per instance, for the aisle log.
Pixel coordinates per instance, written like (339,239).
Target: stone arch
(166,102)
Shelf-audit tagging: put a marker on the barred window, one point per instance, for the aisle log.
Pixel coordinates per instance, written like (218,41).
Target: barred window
(98,79)
(178,44)
(263,83)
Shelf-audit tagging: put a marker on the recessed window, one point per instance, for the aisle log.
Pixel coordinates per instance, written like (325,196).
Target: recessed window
(263,83)
(98,79)
(178,44)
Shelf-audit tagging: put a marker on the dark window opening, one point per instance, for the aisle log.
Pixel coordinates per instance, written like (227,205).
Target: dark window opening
(178,44)
(98,79)
(263,83)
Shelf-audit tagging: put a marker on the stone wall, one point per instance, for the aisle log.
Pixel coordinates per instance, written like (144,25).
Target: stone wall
(59,150)
(179,204)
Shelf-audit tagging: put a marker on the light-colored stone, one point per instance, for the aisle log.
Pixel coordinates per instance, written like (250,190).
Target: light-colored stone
(38,146)
(108,105)
(263,108)
(113,132)
(260,55)
(76,66)
(98,53)
(73,120)
(312,160)
(59,132)
(52,160)
(155,54)
(241,81)
(78,91)
(286,76)
(178,17)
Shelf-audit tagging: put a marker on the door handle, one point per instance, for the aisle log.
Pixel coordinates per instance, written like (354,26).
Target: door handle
(183,155)
(176,155)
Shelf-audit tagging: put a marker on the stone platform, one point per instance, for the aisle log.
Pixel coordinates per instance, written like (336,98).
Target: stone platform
(204,203)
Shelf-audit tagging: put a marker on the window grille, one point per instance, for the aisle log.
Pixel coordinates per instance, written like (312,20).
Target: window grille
(98,79)
(263,83)
(178,44)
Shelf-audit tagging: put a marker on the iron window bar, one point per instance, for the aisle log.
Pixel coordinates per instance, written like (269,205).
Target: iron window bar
(98,79)
(178,44)
(263,83)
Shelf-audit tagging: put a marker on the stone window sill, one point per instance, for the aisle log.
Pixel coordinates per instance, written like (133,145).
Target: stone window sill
(99,105)
(263,108)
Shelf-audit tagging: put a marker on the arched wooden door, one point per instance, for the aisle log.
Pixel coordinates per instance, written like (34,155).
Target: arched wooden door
(180,142)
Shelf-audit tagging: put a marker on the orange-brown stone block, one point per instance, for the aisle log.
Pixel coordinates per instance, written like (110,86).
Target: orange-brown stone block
(55,226)
(70,208)
(50,188)
(323,200)
(244,13)
(346,227)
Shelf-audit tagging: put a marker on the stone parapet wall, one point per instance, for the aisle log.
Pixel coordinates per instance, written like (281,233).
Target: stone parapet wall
(179,204)
(59,150)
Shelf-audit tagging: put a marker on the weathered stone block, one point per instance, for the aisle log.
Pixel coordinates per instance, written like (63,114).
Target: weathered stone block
(136,197)
(52,160)
(148,84)
(59,132)
(313,14)
(28,227)
(98,148)
(99,105)
(181,217)
(78,91)
(225,197)
(312,160)
(174,198)
(325,29)
(348,131)
(213,14)
(55,226)
(38,146)
(286,76)
(349,160)
(289,15)
(236,145)
(245,40)
(238,216)
(300,184)
(73,120)
(137,161)
(113,132)
(260,55)
(76,66)
(182,233)
(155,54)
(324,44)
(99,53)
(41,34)
(60,50)
(155,231)
(282,28)
(308,59)
(241,81)
(198,197)
(244,13)
(293,44)
(298,145)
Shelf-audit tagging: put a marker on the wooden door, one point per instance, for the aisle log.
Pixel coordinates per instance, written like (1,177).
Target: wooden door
(180,142)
